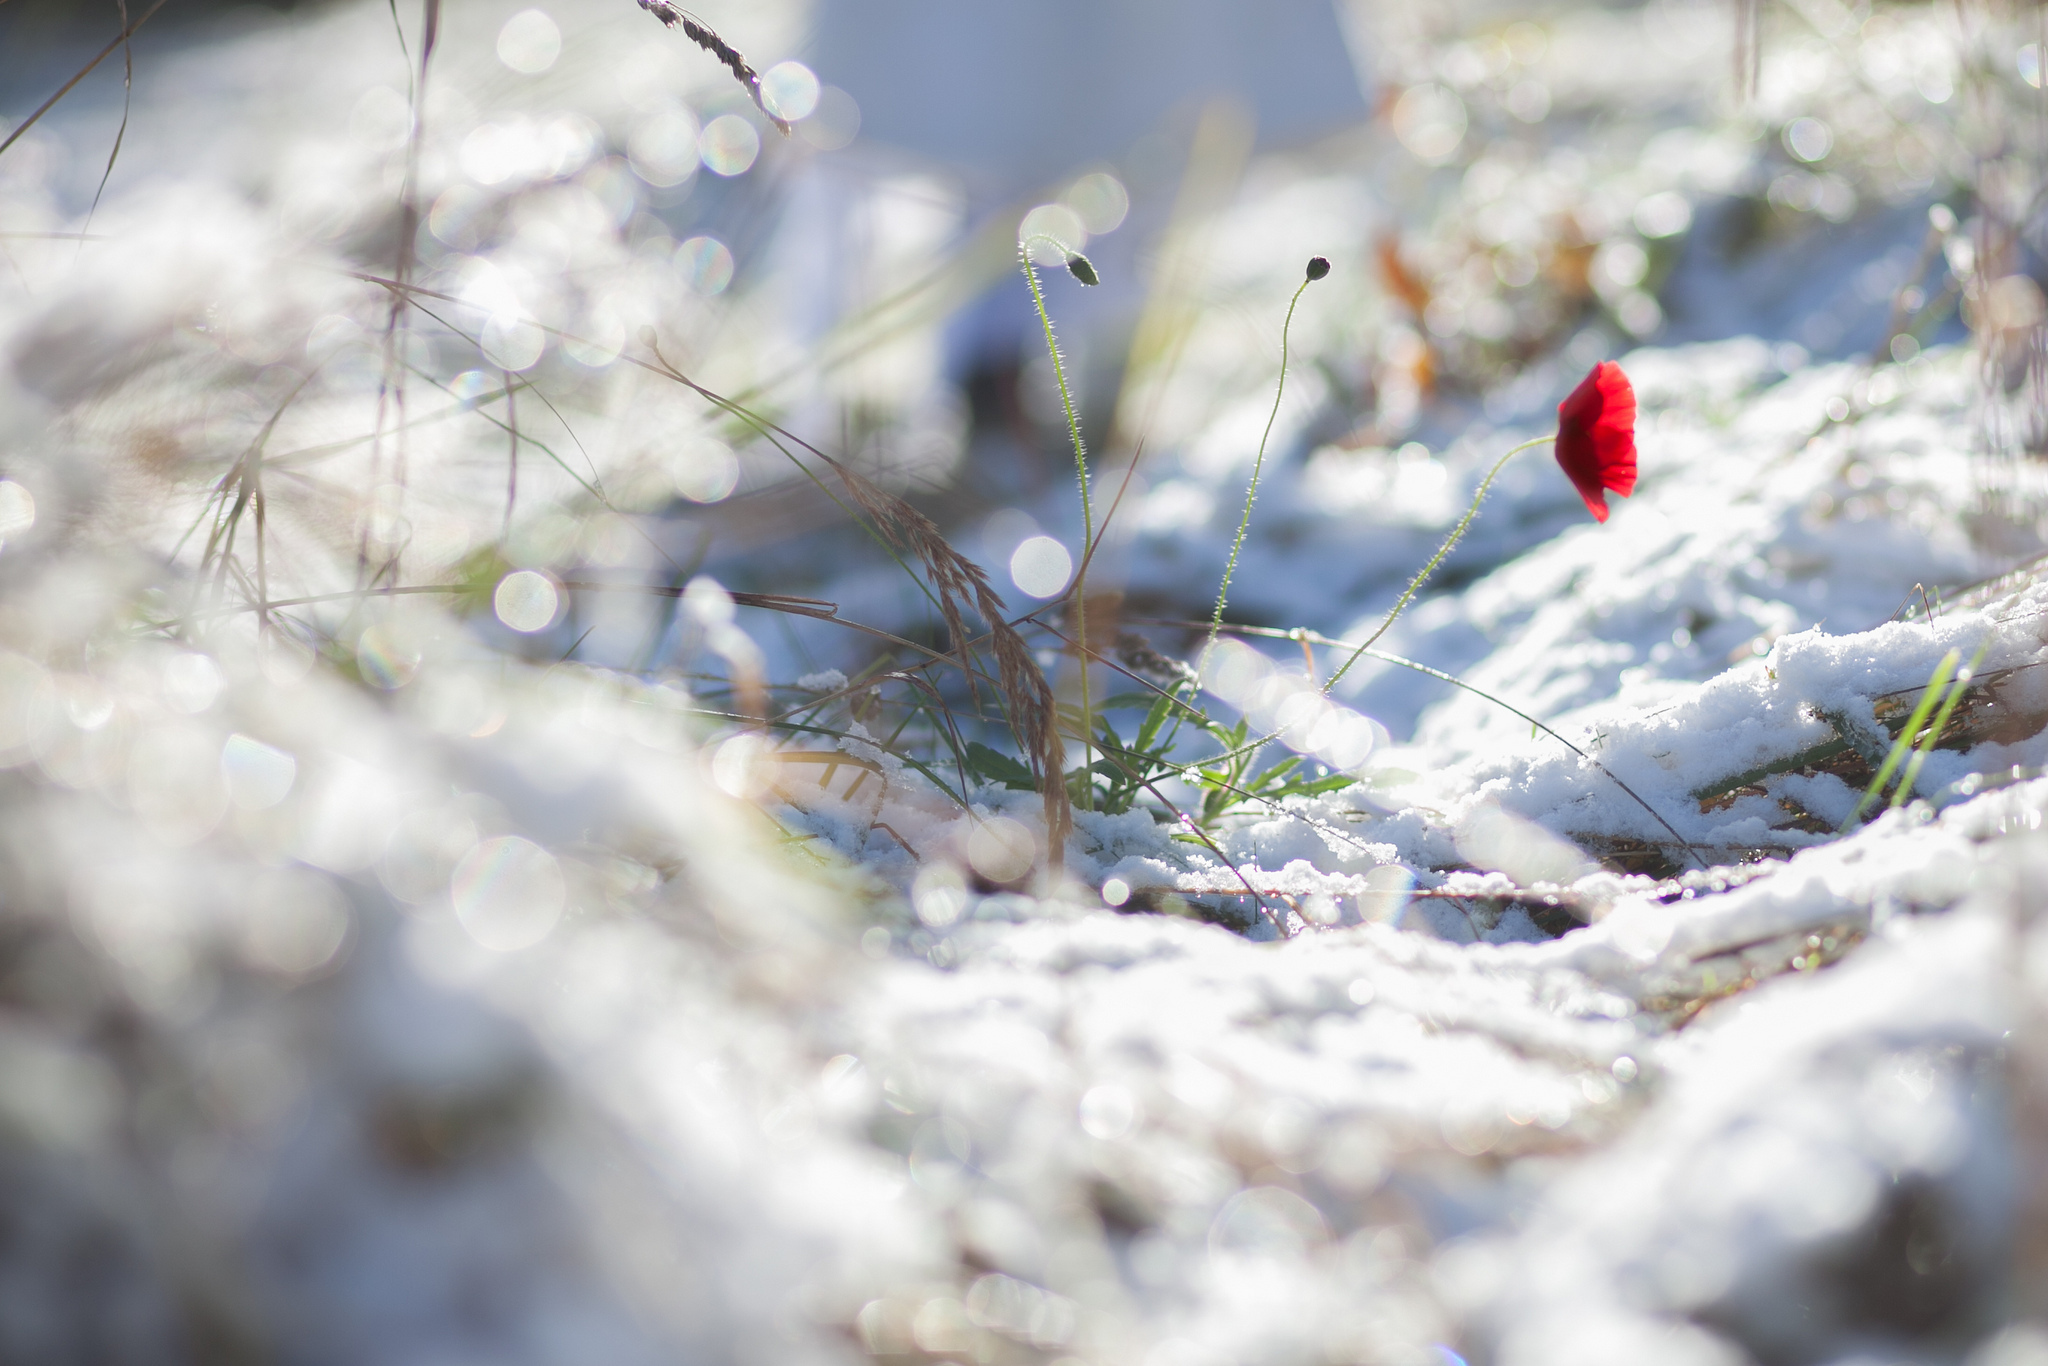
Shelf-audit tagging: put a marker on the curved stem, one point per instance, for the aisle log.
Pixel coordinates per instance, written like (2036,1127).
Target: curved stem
(1450,541)
(1251,492)
(1080,588)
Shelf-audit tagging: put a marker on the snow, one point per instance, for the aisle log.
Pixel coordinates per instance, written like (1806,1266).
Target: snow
(421,976)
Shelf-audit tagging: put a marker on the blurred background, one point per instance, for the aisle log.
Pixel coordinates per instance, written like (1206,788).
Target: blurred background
(420,427)
(1508,194)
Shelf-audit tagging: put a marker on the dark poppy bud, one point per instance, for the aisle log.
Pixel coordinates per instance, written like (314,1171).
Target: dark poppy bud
(1318,267)
(1082,269)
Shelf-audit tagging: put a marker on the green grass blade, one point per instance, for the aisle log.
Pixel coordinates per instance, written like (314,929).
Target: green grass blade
(1933,735)
(1904,744)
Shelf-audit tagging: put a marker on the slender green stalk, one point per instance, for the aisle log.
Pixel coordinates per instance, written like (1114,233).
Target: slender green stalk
(1080,588)
(1415,585)
(1904,744)
(1450,542)
(1933,736)
(1251,491)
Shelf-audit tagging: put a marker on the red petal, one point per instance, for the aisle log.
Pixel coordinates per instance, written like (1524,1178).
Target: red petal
(1596,437)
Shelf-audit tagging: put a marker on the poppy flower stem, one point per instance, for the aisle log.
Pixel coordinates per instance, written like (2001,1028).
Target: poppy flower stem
(1251,492)
(1450,542)
(1079,591)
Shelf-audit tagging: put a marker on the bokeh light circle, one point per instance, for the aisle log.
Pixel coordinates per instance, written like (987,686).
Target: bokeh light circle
(526,601)
(707,473)
(1100,201)
(1430,121)
(663,147)
(1809,139)
(790,90)
(297,923)
(1058,223)
(385,658)
(529,43)
(834,123)
(508,893)
(728,145)
(706,263)
(1001,849)
(1041,567)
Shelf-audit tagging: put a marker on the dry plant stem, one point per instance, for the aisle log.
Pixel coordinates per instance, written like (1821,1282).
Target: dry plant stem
(391,387)
(896,525)
(1251,491)
(1187,823)
(511,455)
(1450,543)
(844,759)
(121,133)
(306,455)
(1110,516)
(595,484)
(1749,48)
(245,477)
(773,602)
(1079,592)
(773,434)
(47,105)
(956,582)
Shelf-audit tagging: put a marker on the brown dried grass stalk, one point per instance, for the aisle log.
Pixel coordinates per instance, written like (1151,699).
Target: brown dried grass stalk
(703,36)
(1027,696)
(1748,50)
(957,583)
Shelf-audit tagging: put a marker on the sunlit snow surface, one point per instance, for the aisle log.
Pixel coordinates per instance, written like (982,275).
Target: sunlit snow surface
(438,1002)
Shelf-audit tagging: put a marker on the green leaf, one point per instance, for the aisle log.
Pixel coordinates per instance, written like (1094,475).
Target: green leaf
(1125,701)
(1315,787)
(1148,729)
(1274,776)
(996,767)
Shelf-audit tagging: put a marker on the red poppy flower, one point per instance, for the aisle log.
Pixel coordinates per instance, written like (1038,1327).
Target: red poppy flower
(1596,437)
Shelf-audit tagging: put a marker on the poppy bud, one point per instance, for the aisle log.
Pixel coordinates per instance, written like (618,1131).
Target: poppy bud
(1082,269)
(1318,267)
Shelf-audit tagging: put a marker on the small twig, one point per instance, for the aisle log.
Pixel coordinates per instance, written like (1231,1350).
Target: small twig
(890,831)
(570,653)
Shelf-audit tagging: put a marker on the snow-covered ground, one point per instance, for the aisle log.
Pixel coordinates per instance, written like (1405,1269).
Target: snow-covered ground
(408,953)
